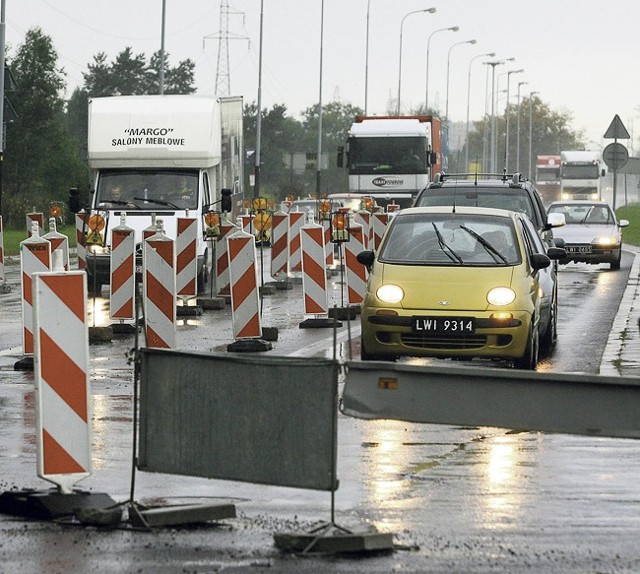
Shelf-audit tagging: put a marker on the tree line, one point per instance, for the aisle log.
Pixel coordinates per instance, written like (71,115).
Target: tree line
(45,149)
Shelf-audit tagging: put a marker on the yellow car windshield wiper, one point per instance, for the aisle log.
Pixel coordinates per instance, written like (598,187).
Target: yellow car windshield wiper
(490,248)
(450,253)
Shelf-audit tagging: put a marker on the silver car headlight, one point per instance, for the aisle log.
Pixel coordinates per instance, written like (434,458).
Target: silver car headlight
(390,293)
(501,296)
(606,240)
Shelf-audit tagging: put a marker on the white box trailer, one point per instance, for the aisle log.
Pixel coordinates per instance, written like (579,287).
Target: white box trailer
(160,158)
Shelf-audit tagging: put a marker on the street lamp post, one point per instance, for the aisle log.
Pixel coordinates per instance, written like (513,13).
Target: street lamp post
(366,63)
(493,65)
(518,130)
(319,154)
(506,136)
(446,112)
(426,88)
(531,94)
(488,55)
(430,11)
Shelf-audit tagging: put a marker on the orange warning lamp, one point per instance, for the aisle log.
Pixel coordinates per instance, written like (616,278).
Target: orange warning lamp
(340,227)
(367,203)
(324,209)
(262,221)
(259,203)
(96,223)
(289,198)
(55,210)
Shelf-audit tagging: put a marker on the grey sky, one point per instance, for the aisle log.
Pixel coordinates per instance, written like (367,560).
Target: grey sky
(579,55)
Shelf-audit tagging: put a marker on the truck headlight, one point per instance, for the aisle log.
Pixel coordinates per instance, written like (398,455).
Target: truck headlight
(97,249)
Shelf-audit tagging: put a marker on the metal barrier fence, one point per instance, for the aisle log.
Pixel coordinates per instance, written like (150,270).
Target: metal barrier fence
(267,419)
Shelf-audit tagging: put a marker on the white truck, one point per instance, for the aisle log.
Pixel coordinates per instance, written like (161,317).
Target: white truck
(581,173)
(161,157)
(391,158)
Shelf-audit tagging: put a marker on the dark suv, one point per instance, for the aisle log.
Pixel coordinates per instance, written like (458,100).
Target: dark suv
(513,193)
(502,191)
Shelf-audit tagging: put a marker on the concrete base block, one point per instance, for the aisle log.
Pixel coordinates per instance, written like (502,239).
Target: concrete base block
(344,313)
(212,303)
(267,289)
(123,328)
(320,323)
(333,543)
(188,310)
(270,333)
(51,504)
(285,285)
(24,364)
(249,346)
(99,335)
(181,514)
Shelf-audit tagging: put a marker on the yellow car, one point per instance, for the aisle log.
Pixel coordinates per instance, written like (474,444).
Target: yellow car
(460,282)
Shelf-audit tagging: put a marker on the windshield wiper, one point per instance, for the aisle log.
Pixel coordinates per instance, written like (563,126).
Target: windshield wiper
(450,253)
(118,202)
(490,248)
(157,202)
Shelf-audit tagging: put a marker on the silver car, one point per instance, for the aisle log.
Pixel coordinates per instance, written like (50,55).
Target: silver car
(591,233)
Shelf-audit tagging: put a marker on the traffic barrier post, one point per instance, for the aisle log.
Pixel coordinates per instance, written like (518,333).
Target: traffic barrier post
(81,246)
(245,301)
(59,243)
(3,286)
(222,259)
(356,272)
(280,248)
(363,218)
(122,271)
(38,217)
(187,264)
(35,256)
(314,276)
(61,340)
(159,289)
(296,221)
(379,221)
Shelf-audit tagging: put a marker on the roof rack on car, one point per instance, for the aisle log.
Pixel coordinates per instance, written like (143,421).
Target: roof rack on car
(441,176)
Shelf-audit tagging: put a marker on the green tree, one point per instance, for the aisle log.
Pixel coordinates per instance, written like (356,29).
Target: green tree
(336,121)
(551,132)
(281,136)
(41,161)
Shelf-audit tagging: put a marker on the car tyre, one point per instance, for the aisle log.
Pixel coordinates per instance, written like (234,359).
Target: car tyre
(529,360)
(615,265)
(366,356)
(548,341)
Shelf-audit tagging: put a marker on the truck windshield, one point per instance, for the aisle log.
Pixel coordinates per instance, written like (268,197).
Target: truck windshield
(147,189)
(381,155)
(586,171)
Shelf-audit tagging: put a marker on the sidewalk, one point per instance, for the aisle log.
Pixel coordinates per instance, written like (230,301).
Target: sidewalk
(621,355)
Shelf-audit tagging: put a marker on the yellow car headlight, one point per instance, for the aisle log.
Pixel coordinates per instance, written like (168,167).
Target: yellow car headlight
(501,296)
(390,294)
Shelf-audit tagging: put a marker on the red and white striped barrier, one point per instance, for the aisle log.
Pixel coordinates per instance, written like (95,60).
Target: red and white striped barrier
(159,290)
(63,440)
(35,257)
(2,273)
(153,228)
(314,273)
(222,259)
(247,223)
(122,267)
(81,245)
(186,257)
(296,221)
(280,246)
(356,272)
(363,218)
(328,245)
(38,218)
(59,244)
(379,223)
(245,301)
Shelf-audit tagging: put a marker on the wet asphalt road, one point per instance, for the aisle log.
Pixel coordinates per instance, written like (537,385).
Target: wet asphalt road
(456,499)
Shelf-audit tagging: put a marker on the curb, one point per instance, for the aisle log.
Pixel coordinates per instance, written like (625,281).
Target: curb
(622,351)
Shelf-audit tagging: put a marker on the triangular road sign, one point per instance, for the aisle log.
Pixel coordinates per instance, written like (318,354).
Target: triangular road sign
(617,130)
